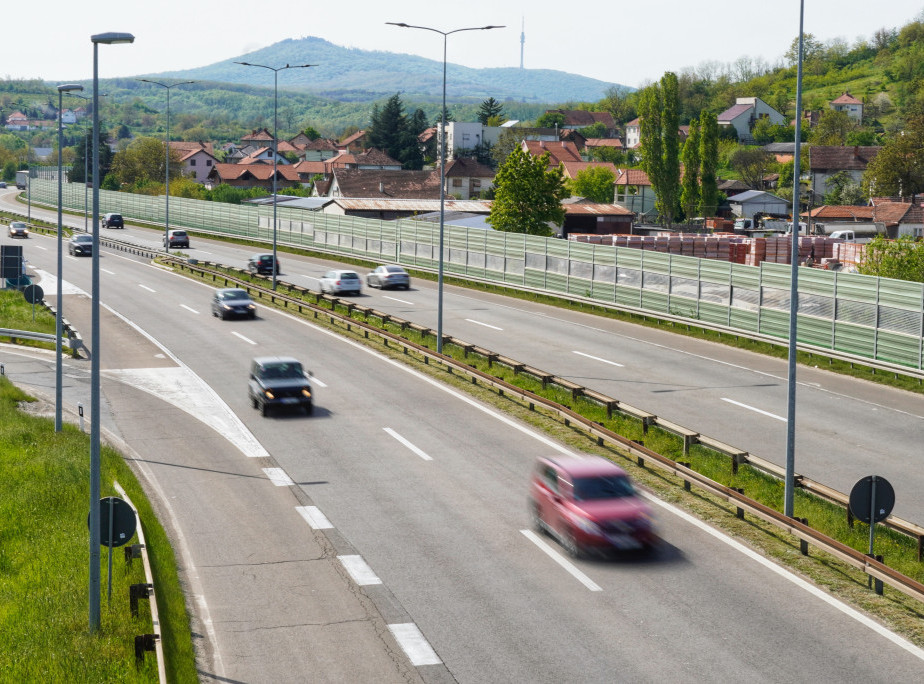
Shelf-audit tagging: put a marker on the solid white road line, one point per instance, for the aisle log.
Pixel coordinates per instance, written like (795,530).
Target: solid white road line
(414,644)
(751,408)
(359,570)
(189,308)
(786,574)
(567,565)
(597,358)
(278,477)
(406,443)
(314,517)
(395,299)
(246,339)
(314,381)
(145,287)
(486,325)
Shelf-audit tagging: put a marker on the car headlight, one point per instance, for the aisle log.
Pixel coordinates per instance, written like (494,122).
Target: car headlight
(306,393)
(225,306)
(269,394)
(251,306)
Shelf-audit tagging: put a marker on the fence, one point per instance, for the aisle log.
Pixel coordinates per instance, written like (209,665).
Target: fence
(866,316)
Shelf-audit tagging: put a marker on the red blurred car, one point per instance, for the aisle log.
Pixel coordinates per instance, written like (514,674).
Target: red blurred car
(590,505)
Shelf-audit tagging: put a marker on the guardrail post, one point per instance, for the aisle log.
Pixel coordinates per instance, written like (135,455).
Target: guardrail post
(740,511)
(132,551)
(803,545)
(850,525)
(686,482)
(687,441)
(143,642)
(138,591)
(920,547)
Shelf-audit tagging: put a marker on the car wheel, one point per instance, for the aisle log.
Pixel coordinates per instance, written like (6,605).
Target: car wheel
(570,545)
(264,409)
(222,315)
(309,409)
(253,315)
(536,518)
(254,402)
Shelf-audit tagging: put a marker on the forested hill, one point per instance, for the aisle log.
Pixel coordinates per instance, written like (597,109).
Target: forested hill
(354,75)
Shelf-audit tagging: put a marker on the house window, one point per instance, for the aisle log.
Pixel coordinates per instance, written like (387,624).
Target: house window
(192,162)
(208,162)
(457,182)
(476,183)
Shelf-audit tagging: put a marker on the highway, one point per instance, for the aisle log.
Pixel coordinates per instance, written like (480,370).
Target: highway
(428,488)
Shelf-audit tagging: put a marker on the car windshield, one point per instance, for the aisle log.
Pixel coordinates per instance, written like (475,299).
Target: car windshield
(282,370)
(394,269)
(602,487)
(18,224)
(266,258)
(83,238)
(179,233)
(234,294)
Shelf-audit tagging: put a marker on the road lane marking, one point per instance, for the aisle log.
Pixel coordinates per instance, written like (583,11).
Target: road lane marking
(314,517)
(410,446)
(44,249)
(189,308)
(414,644)
(145,287)
(313,379)
(278,477)
(795,579)
(597,358)
(395,299)
(359,570)
(107,271)
(751,408)
(246,339)
(487,325)
(567,565)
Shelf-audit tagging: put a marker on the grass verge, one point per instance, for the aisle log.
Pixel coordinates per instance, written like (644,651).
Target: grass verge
(44,563)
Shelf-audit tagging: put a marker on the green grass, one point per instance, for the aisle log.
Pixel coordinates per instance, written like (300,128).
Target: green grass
(44,563)
(17,314)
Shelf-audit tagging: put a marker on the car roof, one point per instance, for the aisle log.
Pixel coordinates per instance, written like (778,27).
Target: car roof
(231,289)
(267,360)
(577,466)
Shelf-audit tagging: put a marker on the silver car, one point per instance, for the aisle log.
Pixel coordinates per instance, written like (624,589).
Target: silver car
(341,282)
(390,275)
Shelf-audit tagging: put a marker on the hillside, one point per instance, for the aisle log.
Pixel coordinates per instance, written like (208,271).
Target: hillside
(354,75)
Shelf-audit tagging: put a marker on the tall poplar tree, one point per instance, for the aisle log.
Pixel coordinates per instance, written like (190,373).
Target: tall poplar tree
(660,144)
(708,163)
(689,195)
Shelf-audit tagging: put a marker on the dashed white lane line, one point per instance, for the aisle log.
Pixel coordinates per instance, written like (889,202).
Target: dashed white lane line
(597,358)
(145,287)
(414,644)
(751,408)
(44,249)
(246,339)
(410,446)
(278,477)
(359,570)
(395,299)
(486,325)
(314,517)
(189,308)
(107,271)
(555,556)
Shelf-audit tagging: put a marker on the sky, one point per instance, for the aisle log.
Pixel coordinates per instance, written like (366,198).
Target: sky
(630,43)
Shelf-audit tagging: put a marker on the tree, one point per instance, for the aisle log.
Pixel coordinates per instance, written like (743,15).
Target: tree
(901,259)
(832,128)
(85,147)
(898,168)
(142,163)
(690,193)
(812,49)
(660,144)
(596,183)
(752,164)
(311,133)
(507,142)
(390,131)
(489,109)
(550,120)
(843,189)
(527,196)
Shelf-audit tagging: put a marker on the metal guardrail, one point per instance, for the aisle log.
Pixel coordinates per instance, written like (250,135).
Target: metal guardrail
(852,557)
(149,578)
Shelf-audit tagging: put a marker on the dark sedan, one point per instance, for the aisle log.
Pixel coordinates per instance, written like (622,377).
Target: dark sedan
(233,302)
(80,245)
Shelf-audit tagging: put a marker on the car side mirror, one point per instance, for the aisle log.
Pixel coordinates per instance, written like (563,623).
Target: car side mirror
(310,374)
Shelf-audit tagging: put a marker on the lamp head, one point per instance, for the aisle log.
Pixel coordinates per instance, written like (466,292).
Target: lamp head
(111,38)
(69,87)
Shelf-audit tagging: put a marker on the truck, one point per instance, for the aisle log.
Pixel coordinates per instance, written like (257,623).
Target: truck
(22,179)
(851,231)
(766,224)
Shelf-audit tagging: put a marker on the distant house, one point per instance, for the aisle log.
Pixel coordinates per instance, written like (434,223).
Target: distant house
(850,105)
(463,138)
(353,143)
(746,112)
(197,158)
(258,175)
(578,118)
(751,202)
(558,151)
(634,191)
(467,178)
(258,138)
(17,121)
(265,155)
(633,134)
(584,216)
(826,160)
(603,143)
(317,150)
(372,183)
(784,151)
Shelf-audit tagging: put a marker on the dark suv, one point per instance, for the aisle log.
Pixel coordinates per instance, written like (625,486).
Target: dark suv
(262,263)
(112,221)
(278,381)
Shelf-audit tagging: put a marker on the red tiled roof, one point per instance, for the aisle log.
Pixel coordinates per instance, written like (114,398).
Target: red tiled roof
(397,184)
(603,142)
(351,139)
(632,177)
(846,98)
(579,117)
(258,136)
(376,157)
(468,168)
(558,151)
(310,168)
(193,145)
(321,144)
(262,172)
(595,209)
(572,168)
(840,157)
(844,212)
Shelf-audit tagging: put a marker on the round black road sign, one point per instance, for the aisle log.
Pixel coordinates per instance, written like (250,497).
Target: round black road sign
(862,498)
(33,294)
(123,521)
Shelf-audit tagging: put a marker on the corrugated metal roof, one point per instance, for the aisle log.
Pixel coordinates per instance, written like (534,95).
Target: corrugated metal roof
(418,205)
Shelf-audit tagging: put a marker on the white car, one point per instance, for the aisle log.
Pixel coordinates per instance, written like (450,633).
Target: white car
(341,282)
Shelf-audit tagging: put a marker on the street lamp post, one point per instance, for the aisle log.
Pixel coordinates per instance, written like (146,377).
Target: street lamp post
(276,71)
(167,145)
(439,284)
(59,303)
(105,39)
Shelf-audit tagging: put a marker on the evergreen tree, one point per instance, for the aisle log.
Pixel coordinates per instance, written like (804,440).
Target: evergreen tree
(527,196)
(708,163)
(490,108)
(690,195)
(84,147)
(393,133)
